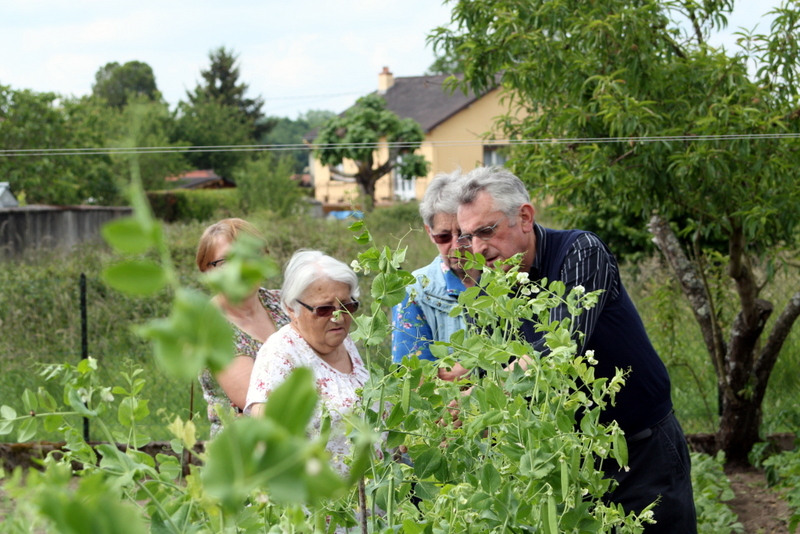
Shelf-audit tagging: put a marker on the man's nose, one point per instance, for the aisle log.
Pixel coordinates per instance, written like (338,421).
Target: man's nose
(479,246)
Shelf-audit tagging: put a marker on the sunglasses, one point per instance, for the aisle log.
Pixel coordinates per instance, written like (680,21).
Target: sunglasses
(485,233)
(443,239)
(328,310)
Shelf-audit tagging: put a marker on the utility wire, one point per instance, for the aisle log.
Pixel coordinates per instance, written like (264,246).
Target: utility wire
(396,144)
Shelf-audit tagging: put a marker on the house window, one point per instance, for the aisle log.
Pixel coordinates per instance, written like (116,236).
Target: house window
(495,155)
(404,188)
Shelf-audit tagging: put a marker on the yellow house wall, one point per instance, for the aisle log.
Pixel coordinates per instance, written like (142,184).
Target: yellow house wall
(457,142)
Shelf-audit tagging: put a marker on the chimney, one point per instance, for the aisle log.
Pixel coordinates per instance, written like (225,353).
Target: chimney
(385,81)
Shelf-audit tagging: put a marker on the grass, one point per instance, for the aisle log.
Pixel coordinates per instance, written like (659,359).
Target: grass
(40,319)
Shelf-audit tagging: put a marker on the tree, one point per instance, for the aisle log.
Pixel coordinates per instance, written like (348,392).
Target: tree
(208,123)
(356,135)
(266,183)
(43,121)
(641,105)
(291,132)
(445,64)
(222,86)
(117,83)
(143,123)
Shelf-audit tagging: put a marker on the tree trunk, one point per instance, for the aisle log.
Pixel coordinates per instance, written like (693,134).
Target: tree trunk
(366,186)
(743,370)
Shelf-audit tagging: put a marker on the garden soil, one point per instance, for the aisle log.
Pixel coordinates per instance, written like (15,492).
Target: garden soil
(760,509)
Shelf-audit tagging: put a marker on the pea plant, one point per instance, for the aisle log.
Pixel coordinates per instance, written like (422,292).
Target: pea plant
(517,450)
(509,448)
(256,474)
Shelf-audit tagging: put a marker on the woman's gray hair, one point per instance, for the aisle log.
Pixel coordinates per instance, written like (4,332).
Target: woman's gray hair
(439,196)
(304,268)
(507,191)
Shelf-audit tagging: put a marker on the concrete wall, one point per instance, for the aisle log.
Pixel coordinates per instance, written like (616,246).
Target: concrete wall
(37,227)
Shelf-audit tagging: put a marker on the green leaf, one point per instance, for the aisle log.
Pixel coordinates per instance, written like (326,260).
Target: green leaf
(195,335)
(138,277)
(127,235)
(620,449)
(296,396)
(428,462)
(78,405)
(131,410)
(7,412)
(490,478)
(30,401)
(27,429)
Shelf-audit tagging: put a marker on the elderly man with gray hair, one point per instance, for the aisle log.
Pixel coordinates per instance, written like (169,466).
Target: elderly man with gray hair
(424,315)
(497,220)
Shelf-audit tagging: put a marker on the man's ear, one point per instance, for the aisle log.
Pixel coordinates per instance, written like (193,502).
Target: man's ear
(527,215)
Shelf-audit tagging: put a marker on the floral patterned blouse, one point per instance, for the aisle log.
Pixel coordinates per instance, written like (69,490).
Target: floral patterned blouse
(246,345)
(286,350)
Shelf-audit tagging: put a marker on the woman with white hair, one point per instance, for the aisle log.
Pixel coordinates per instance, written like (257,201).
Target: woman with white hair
(320,295)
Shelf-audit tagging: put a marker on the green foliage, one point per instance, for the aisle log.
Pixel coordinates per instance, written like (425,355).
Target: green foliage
(147,124)
(619,71)
(117,83)
(403,214)
(444,64)
(711,489)
(520,456)
(199,205)
(648,120)
(265,184)
(223,87)
(355,136)
(783,471)
(209,123)
(31,121)
(290,132)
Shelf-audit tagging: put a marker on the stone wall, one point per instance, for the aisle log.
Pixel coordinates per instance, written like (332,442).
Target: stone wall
(37,227)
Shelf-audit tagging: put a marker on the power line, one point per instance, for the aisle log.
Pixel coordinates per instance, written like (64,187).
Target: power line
(303,146)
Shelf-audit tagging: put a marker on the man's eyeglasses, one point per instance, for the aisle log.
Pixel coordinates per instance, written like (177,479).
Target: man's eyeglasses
(443,239)
(328,310)
(216,263)
(485,233)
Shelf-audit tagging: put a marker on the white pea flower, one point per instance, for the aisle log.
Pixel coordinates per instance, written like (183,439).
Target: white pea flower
(355,266)
(580,290)
(529,372)
(526,290)
(647,515)
(105,394)
(534,289)
(590,357)
(313,466)
(522,278)
(84,395)
(585,492)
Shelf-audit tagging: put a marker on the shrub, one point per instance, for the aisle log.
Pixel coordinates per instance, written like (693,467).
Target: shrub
(200,205)
(265,183)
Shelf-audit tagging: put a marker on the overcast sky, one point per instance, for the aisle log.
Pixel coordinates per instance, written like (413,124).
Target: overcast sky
(298,55)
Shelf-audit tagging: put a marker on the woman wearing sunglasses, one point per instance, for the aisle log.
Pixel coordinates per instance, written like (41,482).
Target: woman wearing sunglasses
(424,315)
(254,320)
(320,295)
